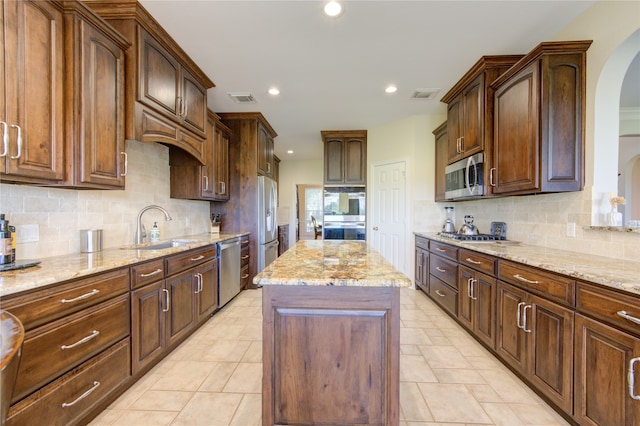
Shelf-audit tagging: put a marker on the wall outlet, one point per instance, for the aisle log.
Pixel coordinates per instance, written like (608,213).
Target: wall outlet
(28,233)
(571,229)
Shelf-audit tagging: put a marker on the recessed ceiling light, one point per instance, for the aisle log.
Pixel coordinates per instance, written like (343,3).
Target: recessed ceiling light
(274,91)
(290,151)
(391,89)
(332,8)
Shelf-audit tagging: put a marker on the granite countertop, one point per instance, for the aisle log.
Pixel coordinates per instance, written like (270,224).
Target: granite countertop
(620,274)
(56,269)
(332,263)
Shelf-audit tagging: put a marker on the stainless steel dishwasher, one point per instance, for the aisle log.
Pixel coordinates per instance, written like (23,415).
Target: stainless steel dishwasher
(229,278)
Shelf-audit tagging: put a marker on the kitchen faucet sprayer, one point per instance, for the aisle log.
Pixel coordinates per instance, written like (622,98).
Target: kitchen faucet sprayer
(140,232)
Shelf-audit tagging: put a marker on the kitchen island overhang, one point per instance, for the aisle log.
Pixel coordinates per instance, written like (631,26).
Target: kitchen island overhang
(331,336)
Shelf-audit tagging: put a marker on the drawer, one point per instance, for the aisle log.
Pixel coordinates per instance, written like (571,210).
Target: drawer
(616,309)
(480,262)
(444,269)
(244,241)
(244,257)
(146,273)
(244,277)
(182,261)
(551,286)
(67,400)
(53,349)
(442,249)
(43,306)
(423,243)
(444,295)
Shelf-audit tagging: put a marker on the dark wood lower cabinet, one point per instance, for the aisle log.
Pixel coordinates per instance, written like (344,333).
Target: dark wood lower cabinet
(477,304)
(330,355)
(604,375)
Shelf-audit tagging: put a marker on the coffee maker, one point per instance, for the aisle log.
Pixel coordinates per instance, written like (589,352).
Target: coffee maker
(449,223)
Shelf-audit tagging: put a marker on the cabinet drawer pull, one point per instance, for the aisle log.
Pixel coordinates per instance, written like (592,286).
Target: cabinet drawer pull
(84,296)
(439,269)
(626,316)
(150,274)
(523,279)
(246,256)
(166,300)
(93,334)
(245,276)
(632,379)
(81,397)
(244,242)
(441,250)
(475,262)
(194,259)
(439,293)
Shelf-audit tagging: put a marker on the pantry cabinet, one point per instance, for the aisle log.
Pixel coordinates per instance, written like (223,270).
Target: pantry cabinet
(539,112)
(345,157)
(32,93)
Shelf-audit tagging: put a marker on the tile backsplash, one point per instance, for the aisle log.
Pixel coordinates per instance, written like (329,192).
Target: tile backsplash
(60,214)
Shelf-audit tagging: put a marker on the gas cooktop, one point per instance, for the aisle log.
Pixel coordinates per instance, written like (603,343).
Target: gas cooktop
(479,237)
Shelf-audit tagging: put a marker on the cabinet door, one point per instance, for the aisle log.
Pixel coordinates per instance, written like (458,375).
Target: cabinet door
(148,306)
(265,152)
(334,161)
(208,174)
(454,128)
(193,104)
(484,294)
(603,360)
(32,100)
(159,76)
(465,297)
(516,152)
(422,269)
(441,161)
(510,340)
(182,308)
(102,110)
(551,350)
(220,180)
(207,292)
(355,157)
(472,117)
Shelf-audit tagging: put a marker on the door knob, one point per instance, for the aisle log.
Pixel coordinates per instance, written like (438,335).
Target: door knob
(375,228)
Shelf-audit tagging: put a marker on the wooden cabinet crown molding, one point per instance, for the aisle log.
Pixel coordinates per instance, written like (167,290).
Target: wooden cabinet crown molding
(226,116)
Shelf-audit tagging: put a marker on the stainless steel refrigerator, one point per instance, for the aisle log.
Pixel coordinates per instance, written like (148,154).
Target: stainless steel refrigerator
(267,223)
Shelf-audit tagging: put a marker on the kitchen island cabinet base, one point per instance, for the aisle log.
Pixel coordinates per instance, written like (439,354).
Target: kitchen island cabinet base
(331,355)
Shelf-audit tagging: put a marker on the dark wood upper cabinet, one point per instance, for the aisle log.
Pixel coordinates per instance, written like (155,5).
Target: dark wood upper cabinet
(539,109)
(265,152)
(345,157)
(442,157)
(470,107)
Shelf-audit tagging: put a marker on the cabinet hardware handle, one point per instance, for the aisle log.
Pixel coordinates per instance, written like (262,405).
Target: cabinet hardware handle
(518,314)
(245,242)
(245,276)
(5,139)
(206,182)
(523,279)
(440,249)
(475,262)
(150,274)
(193,259)
(268,167)
(473,290)
(199,283)
(126,163)
(439,293)
(84,296)
(626,316)
(469,287)
(93,334)
(439,269)
(420,260)
(632,379)
(458,146)
(524,318)
(461,144)
(246,256)
(81,397)
(491,182)
(223,188)
(166,300)
(19,140)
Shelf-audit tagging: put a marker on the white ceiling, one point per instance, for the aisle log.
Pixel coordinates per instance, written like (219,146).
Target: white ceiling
(332,72)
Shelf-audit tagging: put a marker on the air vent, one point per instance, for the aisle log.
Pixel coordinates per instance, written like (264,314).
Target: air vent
(243,97)
(425,93)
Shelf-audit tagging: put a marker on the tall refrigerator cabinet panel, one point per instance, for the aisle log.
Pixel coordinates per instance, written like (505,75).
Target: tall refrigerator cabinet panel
(267,225)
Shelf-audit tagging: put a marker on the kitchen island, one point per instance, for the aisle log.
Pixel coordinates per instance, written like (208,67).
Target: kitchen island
(331,336)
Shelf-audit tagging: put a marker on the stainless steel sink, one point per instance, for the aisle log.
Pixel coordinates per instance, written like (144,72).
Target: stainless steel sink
(165,245)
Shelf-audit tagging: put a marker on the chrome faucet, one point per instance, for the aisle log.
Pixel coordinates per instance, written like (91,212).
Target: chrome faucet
(140,231)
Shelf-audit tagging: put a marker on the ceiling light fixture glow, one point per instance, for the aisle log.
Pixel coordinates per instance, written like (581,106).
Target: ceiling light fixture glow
(290,151)
(391,89)
(274,91)
(332,8)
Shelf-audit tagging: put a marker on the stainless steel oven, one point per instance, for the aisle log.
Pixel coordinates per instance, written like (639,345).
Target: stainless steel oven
(344,227)
(465,178)
(344,213)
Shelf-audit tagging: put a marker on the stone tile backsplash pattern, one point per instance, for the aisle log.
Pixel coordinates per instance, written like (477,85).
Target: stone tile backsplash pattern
(62,213)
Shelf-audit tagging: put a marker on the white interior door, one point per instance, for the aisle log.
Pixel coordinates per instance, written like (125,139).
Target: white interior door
(389,212)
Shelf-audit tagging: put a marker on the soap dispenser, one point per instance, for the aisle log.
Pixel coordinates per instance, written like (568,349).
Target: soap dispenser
(154,235)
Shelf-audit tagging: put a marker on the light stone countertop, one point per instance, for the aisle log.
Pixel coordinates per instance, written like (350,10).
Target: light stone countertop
(332,263)
(56,269)
(620,274)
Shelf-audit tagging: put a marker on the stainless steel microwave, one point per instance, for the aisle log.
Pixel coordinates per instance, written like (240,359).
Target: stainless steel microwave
(465,178)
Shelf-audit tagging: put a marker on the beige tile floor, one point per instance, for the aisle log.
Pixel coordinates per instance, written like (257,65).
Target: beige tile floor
(214,377)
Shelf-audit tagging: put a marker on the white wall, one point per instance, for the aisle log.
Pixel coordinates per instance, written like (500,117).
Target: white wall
(61,213)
